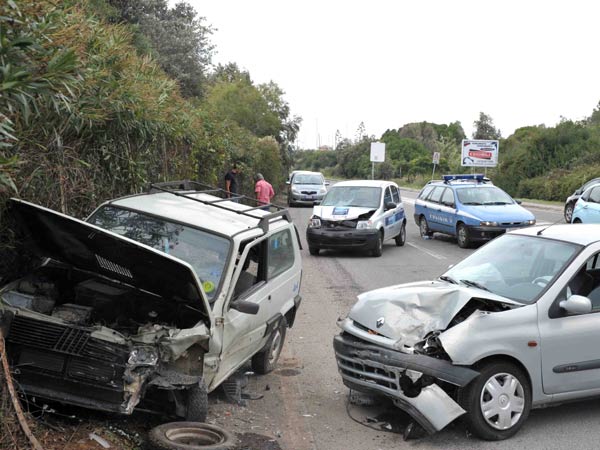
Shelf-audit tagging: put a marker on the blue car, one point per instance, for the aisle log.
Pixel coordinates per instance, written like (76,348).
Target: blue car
(468,207)
(587,208)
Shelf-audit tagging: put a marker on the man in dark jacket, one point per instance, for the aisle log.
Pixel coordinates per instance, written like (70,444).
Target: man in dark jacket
(232,182)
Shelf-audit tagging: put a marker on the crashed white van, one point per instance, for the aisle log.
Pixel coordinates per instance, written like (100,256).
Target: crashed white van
(156,299)
(512,327)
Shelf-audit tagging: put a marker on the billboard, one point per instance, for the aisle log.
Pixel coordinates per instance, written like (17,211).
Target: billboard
(479,153)
(377,151)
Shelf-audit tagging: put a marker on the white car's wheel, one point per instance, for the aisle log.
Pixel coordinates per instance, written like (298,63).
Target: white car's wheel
(401,238)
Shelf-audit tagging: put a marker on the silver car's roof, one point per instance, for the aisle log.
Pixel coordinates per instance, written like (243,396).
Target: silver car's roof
(583,234)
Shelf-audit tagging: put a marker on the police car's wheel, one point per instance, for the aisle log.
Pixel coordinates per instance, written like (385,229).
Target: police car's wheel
(462,236)
(401,238)
(424,228)
(569,212)
(378,250)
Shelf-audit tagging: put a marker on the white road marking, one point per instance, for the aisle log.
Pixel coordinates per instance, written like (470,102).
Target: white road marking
(435,255)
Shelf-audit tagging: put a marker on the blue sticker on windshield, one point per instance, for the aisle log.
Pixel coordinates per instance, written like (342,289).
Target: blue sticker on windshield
(340,211)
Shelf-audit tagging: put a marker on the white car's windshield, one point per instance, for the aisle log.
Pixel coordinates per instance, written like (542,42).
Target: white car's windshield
(516,267)
(307,179)
(205,252)
(359,196)
(483,196)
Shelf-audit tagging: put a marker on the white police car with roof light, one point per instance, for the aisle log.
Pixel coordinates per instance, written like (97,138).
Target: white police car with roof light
(359,214)
(468,207)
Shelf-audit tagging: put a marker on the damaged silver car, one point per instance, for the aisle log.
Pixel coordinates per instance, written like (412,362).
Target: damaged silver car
(153,302)
(514,326)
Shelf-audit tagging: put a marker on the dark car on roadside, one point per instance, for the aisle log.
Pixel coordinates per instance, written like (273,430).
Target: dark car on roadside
(571,200)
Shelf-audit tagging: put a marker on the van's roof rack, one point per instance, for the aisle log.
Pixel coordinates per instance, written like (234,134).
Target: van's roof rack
(194,187)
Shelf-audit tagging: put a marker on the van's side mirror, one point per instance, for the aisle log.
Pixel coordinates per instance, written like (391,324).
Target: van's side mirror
(245,306)
(327,183)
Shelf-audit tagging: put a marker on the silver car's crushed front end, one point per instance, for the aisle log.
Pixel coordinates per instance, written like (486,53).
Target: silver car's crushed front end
(414,382)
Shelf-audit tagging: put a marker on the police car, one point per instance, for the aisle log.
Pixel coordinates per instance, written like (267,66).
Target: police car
(358,214)
(468,207)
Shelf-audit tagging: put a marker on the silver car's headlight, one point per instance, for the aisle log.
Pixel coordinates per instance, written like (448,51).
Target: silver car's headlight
(364,224)
(314,222)
(487,223)
(295,191)
(322,191)
(143,356)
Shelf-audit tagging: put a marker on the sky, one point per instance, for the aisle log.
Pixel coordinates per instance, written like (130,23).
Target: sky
(391,62)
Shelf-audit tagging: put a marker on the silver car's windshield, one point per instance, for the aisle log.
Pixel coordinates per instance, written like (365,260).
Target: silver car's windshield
(517,267)
(307,179)
(359,196)
(205,252)
(483,196)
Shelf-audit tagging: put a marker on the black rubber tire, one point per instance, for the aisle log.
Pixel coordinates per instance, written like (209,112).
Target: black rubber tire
(378,249)
(462,236)
(197,403)
(401,238)
(569,211)
(469,398)
(179,435)
(313,251)
(424,228)
(263,362)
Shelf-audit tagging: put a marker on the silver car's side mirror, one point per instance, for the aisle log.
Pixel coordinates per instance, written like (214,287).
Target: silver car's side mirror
(576,304)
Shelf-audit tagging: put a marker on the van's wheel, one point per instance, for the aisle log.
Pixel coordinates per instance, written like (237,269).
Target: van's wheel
(190,436)
(462,236)
(378,249)
(497,402)
(266,360)
(401,238)
(424,228)
(313,251)
(196,403)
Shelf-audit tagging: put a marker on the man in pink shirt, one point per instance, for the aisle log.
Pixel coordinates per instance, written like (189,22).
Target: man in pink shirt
(264,191)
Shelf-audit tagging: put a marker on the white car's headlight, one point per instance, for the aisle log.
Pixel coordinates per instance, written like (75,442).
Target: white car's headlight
(487,223)
(143,356)
(314,222)
(364,224)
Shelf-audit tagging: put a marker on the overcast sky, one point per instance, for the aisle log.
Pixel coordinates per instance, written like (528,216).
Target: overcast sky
(388,63)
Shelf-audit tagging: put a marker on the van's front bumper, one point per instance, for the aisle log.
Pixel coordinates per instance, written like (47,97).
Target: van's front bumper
(412,381)
(364,239)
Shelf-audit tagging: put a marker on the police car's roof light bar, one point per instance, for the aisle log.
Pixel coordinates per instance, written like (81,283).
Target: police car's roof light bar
(478,177)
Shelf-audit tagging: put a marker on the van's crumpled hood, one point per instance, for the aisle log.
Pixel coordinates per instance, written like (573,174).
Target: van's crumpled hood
(340,212)
(93,249)
(411,311)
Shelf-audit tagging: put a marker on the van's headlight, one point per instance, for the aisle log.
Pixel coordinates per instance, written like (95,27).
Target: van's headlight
(364,224)
(143,356)
(487,223)
(314,222)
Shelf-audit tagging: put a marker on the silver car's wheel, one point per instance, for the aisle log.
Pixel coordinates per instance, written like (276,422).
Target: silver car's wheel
(502,401)
(497,401)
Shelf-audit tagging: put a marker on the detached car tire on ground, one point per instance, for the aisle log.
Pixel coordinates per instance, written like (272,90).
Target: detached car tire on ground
(190,436)
(157,299)
(514,326)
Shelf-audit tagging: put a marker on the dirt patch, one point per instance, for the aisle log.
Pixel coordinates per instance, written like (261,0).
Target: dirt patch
(288,372)
(253,441)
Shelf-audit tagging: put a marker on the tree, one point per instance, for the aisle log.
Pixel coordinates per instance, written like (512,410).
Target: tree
(484,128)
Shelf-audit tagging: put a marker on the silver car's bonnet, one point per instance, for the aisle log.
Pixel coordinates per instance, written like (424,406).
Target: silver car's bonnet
(406,313)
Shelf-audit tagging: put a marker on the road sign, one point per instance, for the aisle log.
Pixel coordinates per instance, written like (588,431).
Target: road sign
(479,153)
(436,157)
(377,151)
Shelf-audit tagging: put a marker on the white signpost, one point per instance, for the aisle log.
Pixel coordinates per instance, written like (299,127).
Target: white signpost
(436,160)
(479,153)
(377,155)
